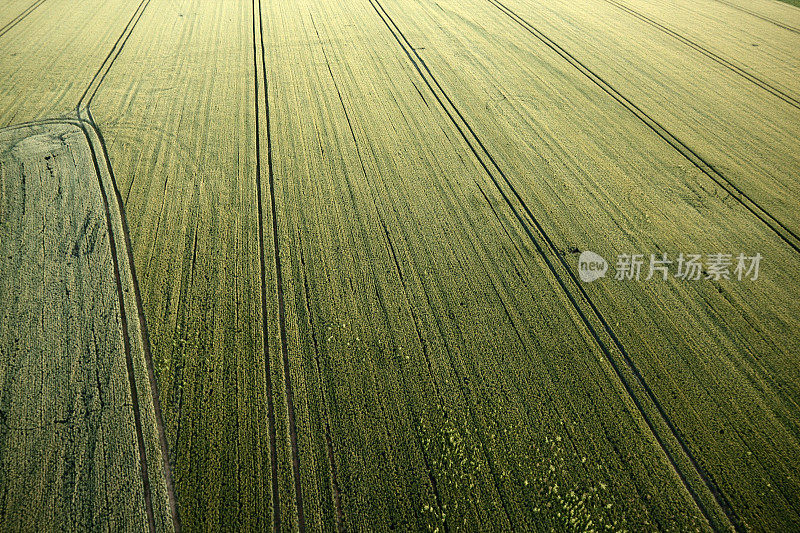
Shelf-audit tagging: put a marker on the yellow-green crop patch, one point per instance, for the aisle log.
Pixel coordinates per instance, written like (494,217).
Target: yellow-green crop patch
(79,446)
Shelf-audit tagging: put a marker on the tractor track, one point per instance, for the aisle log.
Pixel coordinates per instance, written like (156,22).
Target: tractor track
(162,438)
(289,394)
(645,400)
(148,499)
(99,77)
(83,107)
(88,124)
(273,452)
(709,54)
(762,17)
(785,234)
(98,151)
(19,18)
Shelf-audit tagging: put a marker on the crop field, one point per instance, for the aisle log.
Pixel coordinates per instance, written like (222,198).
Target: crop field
(321,265)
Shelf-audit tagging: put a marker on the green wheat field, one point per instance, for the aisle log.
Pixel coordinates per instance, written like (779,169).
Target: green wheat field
(321,265)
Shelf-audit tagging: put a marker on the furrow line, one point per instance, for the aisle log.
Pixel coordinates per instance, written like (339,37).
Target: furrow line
(398,270)
(335,489)
(273,452)
(416,320)
(567,280)
(485,450)
(708,53)
(785,234)
(336,492)
(428,470)
(335,482)
(279,282)
(451,359)
(762,17)
(19,18)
